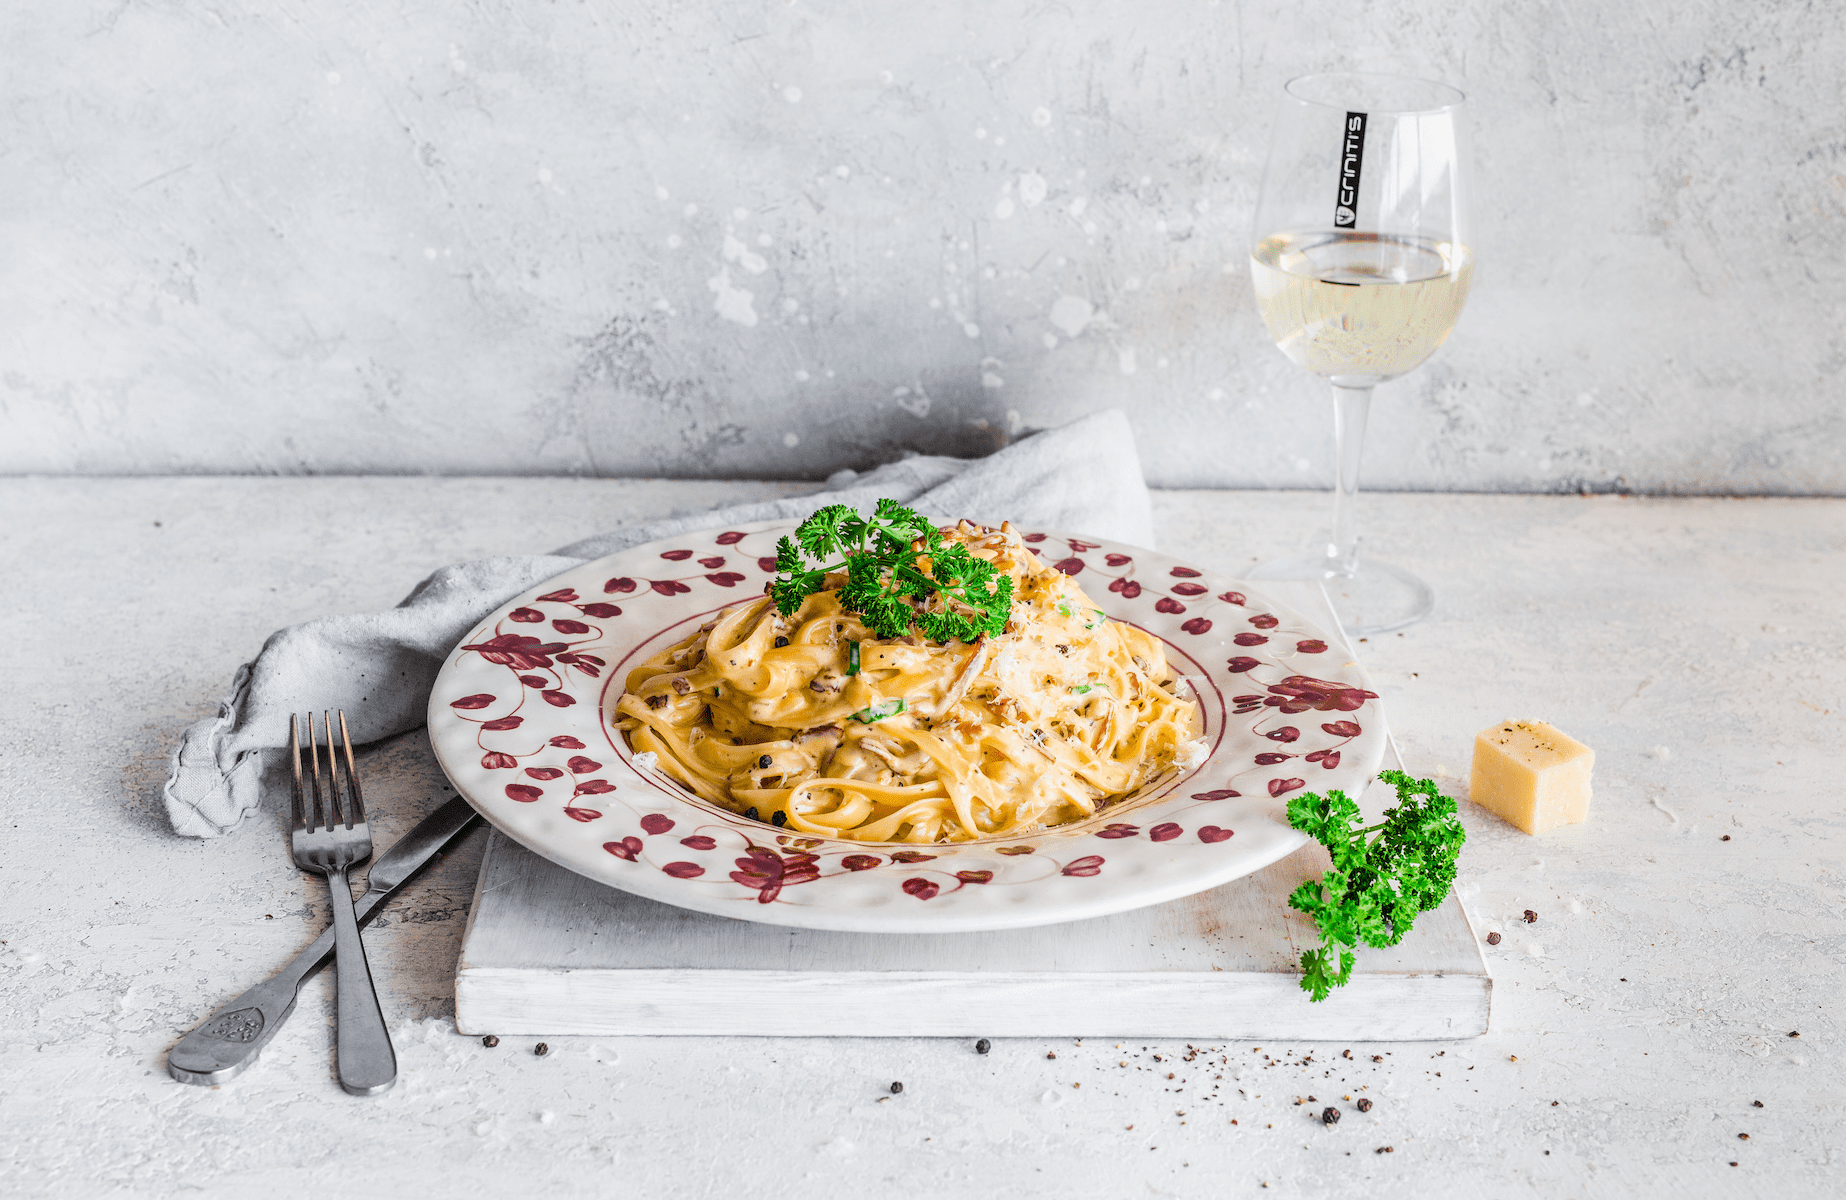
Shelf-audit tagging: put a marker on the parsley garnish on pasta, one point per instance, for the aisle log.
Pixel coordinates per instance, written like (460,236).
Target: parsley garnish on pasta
(900,574)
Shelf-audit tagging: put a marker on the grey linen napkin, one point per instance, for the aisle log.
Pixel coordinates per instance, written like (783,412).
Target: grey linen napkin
(378,666)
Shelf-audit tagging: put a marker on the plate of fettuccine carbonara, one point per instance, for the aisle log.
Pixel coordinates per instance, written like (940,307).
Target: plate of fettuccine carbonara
(872,722)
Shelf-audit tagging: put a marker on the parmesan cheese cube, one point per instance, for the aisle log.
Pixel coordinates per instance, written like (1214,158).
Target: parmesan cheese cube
(1530,774)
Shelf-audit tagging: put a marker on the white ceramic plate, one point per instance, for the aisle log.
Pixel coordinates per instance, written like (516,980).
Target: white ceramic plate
(518,720)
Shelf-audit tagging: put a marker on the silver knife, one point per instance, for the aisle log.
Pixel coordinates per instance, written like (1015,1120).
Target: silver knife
(222,1047)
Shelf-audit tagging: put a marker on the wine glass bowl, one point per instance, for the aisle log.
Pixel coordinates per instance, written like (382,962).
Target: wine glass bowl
(1358,309)
(1359,267)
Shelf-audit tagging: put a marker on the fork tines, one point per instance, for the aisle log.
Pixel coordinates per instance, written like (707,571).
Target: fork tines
(320,805)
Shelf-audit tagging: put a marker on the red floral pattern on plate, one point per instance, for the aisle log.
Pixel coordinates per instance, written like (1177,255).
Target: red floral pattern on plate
(645,828)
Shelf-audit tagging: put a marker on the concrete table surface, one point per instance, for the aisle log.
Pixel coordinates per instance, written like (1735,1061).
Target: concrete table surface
(1685,934)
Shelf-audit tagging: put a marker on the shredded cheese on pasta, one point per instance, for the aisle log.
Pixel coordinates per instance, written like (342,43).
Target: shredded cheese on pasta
(809,722)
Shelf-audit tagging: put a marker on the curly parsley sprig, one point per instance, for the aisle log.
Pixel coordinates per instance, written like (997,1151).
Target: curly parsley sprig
(900,574)
(1374,890)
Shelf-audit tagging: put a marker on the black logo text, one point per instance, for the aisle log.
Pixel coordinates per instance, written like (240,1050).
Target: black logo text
(1352,158)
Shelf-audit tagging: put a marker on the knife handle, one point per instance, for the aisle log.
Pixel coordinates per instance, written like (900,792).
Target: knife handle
(223,1046)
(220,1048)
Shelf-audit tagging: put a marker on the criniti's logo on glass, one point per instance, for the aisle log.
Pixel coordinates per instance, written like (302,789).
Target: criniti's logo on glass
(1352,159)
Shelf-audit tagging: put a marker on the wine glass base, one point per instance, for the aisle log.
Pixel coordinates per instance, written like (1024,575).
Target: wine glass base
(1375,597)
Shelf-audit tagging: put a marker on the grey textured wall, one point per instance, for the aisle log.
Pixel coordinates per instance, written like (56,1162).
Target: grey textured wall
(758,238)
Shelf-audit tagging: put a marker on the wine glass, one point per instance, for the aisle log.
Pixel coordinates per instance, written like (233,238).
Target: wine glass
(1360,265)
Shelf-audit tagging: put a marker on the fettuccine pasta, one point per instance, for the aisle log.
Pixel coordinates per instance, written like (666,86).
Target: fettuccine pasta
(811,723)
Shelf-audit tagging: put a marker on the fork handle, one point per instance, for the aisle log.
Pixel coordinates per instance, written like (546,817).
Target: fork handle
(366,1061)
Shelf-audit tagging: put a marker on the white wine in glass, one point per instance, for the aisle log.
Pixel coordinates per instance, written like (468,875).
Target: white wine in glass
(1359,268)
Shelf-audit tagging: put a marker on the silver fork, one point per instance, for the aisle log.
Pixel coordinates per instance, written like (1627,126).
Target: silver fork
(327,841)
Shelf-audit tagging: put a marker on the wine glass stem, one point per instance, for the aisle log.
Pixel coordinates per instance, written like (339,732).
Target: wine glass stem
(1350,406)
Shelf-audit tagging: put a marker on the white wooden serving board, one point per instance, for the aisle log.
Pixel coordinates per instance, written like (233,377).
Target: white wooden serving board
(550,952)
